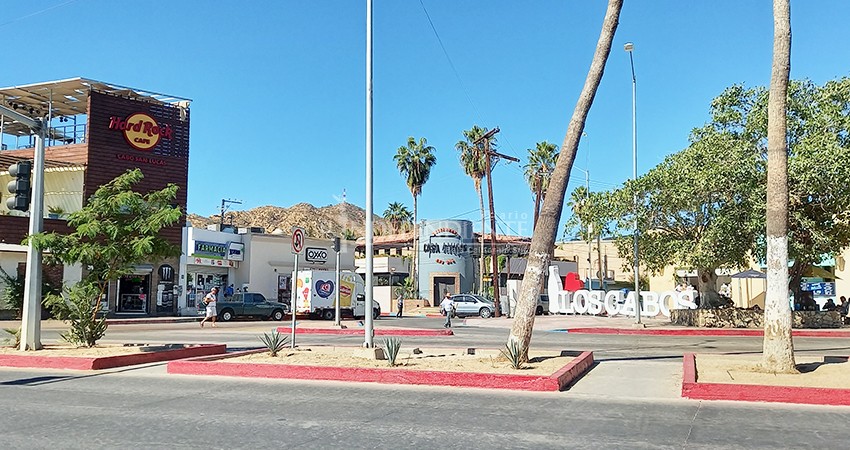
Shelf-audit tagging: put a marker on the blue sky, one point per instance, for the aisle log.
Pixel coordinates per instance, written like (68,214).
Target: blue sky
(278,87)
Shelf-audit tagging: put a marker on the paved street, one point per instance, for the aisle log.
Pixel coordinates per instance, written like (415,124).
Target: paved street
(629,400)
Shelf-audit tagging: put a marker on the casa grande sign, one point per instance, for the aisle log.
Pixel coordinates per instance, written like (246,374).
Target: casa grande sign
(612,302)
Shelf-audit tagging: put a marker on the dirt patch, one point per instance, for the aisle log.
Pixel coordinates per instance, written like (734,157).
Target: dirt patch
(814,372)
(448,360)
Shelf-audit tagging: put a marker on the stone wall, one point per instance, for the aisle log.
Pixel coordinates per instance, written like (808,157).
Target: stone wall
(748,318)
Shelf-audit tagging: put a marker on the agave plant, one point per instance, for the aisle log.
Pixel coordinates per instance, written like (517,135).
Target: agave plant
(391,347)
(512,353)
(274,342)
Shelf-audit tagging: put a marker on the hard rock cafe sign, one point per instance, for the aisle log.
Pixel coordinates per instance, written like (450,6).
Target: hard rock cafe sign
(140,130)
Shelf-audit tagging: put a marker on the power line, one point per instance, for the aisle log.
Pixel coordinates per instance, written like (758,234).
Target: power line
(452,64)
(36,13)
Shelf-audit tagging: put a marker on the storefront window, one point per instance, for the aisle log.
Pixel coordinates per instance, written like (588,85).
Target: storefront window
(133,293)
(198,284)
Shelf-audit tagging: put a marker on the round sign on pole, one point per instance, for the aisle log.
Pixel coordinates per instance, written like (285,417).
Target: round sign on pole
(297,240)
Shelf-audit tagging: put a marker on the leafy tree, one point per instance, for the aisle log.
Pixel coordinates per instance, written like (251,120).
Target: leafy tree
(591,216)
(116,229)
(398,216)
(13,293)
(697,209)
(543,239)
(778,349)
(414,162)
(472,159)
(538,171)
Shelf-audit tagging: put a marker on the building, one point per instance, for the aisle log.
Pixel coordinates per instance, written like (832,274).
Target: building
(97,131)
(250,260)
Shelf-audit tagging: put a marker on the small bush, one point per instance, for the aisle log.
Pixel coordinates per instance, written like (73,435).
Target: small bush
(274,341)
(80,306)
(391,347)
(15,340)
(512,353)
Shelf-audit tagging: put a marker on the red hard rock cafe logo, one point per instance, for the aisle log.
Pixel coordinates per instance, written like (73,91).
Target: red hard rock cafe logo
(140,130)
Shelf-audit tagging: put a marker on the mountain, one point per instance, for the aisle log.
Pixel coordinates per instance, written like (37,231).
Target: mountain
(331,220)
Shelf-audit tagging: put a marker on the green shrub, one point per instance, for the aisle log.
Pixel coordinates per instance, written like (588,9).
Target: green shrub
(274,342)
(391,347)
(512,353)
(80,306)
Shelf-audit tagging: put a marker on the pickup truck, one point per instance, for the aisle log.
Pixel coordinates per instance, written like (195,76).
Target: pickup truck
(251,304)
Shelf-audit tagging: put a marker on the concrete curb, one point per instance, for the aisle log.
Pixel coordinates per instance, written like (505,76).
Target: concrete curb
(378,332)
(703,332)
(555,382)
(108,362)
(152,320)
(693,389)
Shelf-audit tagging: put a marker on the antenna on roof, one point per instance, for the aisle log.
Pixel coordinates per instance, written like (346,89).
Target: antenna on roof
(343,196)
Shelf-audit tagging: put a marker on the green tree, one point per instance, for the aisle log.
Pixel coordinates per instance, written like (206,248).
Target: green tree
(116,229)
(349,235)
(698,210)
(472,159)
(398,216)
(538,171)
(543,239)
(414,162)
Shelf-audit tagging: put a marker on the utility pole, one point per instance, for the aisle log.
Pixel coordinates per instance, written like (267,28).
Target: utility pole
(495,275)
(31,314)
(225,204)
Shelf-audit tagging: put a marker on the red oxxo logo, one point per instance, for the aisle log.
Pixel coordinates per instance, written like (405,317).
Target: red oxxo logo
(140,130)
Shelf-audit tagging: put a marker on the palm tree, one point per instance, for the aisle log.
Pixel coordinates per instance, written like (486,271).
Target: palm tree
(778,347)
(349,235)
(473,163)
(543,239)
(397,215)
(538,171)
(414,162)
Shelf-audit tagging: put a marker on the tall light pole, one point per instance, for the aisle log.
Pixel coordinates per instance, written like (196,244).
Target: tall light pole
(588,228)
(370,268)
(629,48)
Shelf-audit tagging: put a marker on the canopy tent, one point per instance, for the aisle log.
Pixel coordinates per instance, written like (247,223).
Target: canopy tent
(819,272)
(749,273)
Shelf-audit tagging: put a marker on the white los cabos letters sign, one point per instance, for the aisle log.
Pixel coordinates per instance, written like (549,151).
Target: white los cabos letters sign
(612,302)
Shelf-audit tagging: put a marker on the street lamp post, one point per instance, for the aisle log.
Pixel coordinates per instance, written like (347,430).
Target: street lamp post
(629,48)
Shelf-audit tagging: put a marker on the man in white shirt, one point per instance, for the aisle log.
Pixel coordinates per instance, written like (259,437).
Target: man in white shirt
(448,307)
(210,300)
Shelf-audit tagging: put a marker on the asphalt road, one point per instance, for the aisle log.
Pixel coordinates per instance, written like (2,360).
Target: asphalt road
(629,400)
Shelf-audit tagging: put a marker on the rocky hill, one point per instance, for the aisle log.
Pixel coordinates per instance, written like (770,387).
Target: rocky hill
(331,220)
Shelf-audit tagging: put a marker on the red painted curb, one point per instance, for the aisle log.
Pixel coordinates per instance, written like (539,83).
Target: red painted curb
(378,332)
(94,363)
(557,381)
(704,332)
(692,389)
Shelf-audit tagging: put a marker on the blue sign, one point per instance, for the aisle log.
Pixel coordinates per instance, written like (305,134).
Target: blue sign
(822,289)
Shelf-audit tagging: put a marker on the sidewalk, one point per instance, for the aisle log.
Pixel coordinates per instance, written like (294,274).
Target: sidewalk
(652,326)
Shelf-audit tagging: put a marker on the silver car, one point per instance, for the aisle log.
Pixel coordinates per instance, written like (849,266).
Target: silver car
(473,305)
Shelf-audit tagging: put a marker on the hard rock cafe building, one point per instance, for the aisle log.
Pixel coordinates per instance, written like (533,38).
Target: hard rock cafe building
(97,131)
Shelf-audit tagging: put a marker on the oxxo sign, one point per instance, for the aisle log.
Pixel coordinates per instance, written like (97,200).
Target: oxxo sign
(316,255)
(612,302)
(140,130)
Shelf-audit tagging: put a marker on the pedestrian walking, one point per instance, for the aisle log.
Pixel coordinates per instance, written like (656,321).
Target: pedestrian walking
(400,305)
(448,307)
(210,300)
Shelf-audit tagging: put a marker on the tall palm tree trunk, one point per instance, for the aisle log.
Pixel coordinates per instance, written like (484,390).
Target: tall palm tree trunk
(778,350)
(482,264)
(537,194)
(543,239)
(414,267)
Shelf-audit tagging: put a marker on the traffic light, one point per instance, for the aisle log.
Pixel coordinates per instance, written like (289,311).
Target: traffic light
(336,244)
(20,186)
